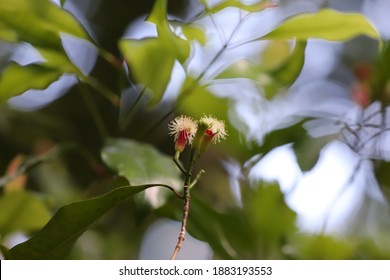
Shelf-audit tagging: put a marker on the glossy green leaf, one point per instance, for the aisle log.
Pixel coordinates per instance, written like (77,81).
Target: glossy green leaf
(140,163)
(38,22)
(149,63)
(175,45)
(21,211)
(326,24)
(16,79)
(58,236)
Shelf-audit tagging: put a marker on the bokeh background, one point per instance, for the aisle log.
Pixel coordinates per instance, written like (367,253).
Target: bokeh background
(303,174)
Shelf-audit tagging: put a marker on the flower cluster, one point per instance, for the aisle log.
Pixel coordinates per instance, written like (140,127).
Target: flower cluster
(200,134)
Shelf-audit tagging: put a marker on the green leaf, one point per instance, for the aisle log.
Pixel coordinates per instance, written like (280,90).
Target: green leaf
(275,53)
(269,215)
(151,59)
(245,69)
(178,47)
(8,35)
(149,63)
(326,24)
(38,22)
(283,74)
(223,231)
(194,33)
(253,8)
(58,236)
(140,163)
(57,60)
(322,247)
(21,211)
(16,79)
(289,71)
(380,78)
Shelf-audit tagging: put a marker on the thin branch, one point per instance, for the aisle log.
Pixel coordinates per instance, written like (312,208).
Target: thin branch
(186,210)
(220,32)
(187,197)
(96,116)
(29,164)
(131,111)
(102,89)
(178,163)
(165,186)
(341,191)
(193,183)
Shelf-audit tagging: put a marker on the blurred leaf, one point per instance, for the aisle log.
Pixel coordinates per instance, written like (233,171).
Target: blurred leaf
(269,216)
(151,59)
(291,134)
(272,79)
(194,33)
(21,211)
(326,24)
(57,237)
(253,8)
(320,247)
(57,60)
(307,150)
(149,63)
(245,69)
(223,231)
(140,163)
(7,34)
(373,249)
(4,250)
(382,173)
(38,22)
(275,53)
(380,77)
(289,71)
(285,74)
(16,79)
(175,45)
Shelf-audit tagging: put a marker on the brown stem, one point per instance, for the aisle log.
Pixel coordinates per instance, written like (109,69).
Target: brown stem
(182,233)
